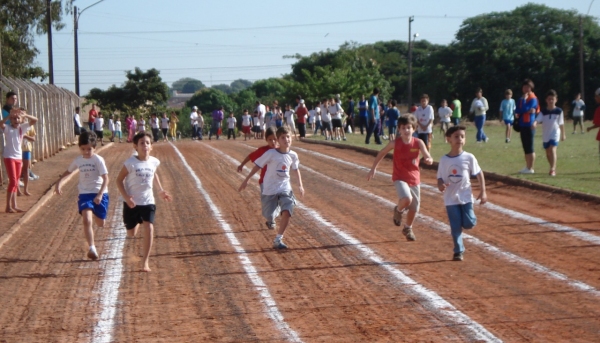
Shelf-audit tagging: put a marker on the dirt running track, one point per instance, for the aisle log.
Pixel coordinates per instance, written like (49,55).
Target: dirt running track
(525,285)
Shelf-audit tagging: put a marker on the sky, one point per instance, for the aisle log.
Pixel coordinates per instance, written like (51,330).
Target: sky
(221,41)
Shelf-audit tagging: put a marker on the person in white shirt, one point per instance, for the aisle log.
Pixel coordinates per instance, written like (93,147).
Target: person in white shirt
(200,126)
(93,188)
(77,122)
(578,113)
(135,182)
(194,122)
(553,122)
(424,115)
(261,110)
(99,127)
(111,128)
(246,125)
(118,130)
(479,107)
(317,120)
(326,119)
(154,126)
(164,126)
(336,119)
(444,112)
(311,119)
(289,119)
(231,121)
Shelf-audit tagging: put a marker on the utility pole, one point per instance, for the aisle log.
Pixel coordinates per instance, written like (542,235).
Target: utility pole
(410,20)
(75,13)
(49,24)
(581,89)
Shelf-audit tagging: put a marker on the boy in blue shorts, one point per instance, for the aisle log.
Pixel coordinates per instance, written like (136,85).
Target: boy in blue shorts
(93,188)
(135,182)
(277,190)
(553,123)
(507,111)
(454,173)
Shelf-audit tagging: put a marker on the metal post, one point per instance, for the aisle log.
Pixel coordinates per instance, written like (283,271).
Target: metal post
(75,19)
(49,25)
(581,79)
(410,20)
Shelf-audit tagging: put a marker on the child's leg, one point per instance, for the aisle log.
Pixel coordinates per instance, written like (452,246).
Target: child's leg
(469,220)
(148,239)
(551,155)
(88,231)
(455,215)
(25,175)
(285,220)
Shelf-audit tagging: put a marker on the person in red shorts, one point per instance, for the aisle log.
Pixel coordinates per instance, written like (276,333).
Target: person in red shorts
(596,122)
(253,156)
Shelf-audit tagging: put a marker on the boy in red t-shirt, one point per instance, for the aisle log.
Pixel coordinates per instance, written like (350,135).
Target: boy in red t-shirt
(596,122)
(253,156)
(406,175)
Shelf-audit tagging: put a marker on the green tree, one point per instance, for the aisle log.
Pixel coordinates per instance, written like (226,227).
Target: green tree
(209,99)
(240,85)
(21,20)
(223,88)
(187,85)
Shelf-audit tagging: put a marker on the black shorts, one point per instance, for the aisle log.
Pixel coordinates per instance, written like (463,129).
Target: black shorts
(137,215)
(527,134)
(326,125)
(336,123)
(99,134)
(424,137)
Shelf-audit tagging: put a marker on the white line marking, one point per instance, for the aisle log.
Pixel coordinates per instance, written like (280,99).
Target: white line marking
(431,300)
(112,264)
(517,215)
(259,284)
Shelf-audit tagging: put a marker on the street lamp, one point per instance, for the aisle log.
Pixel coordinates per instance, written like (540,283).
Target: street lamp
(410,48)
(76,16)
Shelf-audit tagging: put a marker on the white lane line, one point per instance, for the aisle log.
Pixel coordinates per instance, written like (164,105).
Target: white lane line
(112,264)
(432,301)
(259,284)
(440,226)
(517,215)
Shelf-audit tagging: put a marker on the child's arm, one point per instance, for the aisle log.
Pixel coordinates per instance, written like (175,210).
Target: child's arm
(120,178)
(29,138)
(241,166)
(562,132)
(245,183)
(57,187)
(378,159)
(3,122)
(482,195)
(426,155)
(300,187)
(592,127)
(441,185)
(164,194)
(32,119)
(103,188)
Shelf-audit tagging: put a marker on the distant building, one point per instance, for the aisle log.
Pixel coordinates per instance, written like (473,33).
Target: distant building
(178,100)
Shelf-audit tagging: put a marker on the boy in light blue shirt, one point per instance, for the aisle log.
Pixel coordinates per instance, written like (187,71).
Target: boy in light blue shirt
(507,111)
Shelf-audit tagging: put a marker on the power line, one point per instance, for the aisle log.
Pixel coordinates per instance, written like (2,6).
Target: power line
(206,68)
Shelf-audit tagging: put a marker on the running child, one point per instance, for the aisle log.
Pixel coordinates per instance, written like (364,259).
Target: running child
(164,126)
(118,131)
(173,126)
(277,189)
(253,156)
(578,113)
(111,128)
(93,188)
(14,127)
(454,173)
(154,126)
(553,121)
(231,121)
(246,125)
(99,127)
(28,138)
(135,182)
(424,115)
(444,112)
(507,111)
(406,175)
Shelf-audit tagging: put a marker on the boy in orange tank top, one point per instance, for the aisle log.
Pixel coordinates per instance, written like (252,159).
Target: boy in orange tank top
(406,175)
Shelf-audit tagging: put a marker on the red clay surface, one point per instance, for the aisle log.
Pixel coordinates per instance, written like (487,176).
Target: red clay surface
(325,289)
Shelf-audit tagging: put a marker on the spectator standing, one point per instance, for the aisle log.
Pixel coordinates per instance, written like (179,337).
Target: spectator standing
(326,119)
(217,118)
(200,129)
(363,116)
(173,125)
(553,128)
(350,118)
(194,122)
(444,112)
(262,111)
(456,107)
(302,113)
(479,107)
(373,118)
(99,127)
(77,122)
(527,109)
(231,121)
(154,126)
(93,114)
(578,113)
(393,114)
(425,116)
(507,111)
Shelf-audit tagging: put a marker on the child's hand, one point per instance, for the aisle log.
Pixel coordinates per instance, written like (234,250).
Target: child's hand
(130,202)
(165,195)
(243,186)
(442,186)
(428,160)
(97,199)
(371,174)
(482,198)
(301,191)
(240,168)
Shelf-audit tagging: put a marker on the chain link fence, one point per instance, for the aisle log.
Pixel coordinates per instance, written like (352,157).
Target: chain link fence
(53,106)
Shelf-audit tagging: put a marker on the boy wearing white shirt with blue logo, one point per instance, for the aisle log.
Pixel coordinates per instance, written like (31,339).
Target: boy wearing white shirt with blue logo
(454,173)
(277,190)
(553,122)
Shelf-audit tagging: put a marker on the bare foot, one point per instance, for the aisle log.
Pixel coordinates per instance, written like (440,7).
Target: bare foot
(18,209)
(10,210)
(27,193)
(146,268)
(19,193)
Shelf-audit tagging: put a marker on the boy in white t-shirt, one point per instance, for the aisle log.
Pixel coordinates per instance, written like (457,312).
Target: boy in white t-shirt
(578,113)
(277,190)
(444,112)
(231,121)
(111,128)
(424,115)
(99,127)
(135,182)
(454,173)
(246,125)
(118,129)
(164,126)
(93,188)
(553,121)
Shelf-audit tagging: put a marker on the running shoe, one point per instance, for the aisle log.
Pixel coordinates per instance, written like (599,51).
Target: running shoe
(507,140)
(270,225)
(552,173)
(92,254)
(458,256)
(486,139)
(397,216)
(278,244)
(344,138)
(408,232)
(526,171)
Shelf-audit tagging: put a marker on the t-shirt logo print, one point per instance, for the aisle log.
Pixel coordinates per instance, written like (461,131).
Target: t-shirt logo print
(454,176)
(282,170)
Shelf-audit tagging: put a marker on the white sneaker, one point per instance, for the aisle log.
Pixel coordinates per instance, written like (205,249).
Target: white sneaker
(21,184)
(526,171)
(92,254)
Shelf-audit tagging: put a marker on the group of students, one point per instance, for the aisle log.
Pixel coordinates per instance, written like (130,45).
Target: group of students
(135,184)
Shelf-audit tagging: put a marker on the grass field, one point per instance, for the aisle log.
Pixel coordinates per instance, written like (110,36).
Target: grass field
(578,165)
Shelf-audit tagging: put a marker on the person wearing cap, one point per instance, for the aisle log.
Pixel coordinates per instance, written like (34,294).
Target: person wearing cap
(301,114)
(194,122)
(527,109)
(596,121)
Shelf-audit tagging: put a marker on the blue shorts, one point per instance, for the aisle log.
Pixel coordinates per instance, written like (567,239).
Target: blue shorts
(86,201)
(27,155)
(508,122)
(550,143)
